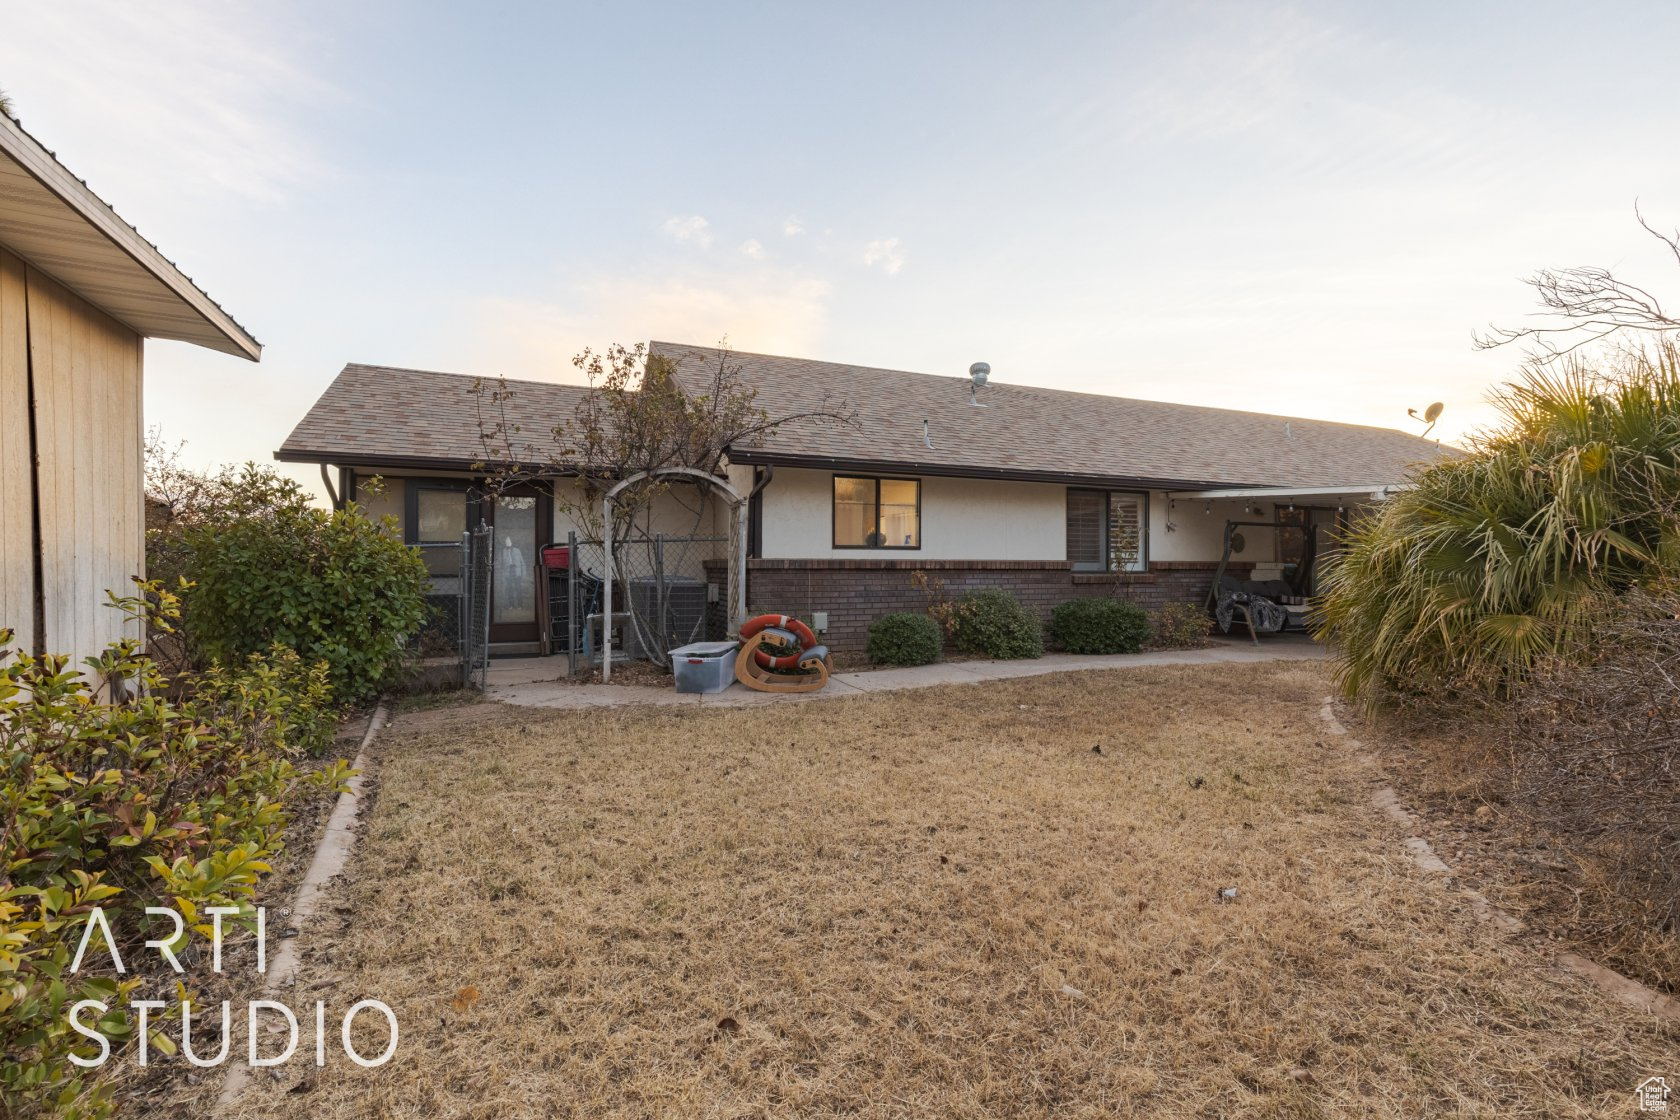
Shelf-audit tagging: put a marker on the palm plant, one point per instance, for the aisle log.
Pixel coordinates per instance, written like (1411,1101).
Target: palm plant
(1493,560)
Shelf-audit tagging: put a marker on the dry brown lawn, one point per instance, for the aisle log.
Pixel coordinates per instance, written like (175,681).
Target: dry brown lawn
(941,903)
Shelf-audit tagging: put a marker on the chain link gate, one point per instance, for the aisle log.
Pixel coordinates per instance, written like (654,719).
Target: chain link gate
(474,632)
(662,598)
(458,603)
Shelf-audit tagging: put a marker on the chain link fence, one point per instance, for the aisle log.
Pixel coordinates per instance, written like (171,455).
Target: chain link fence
(458,622)
(662,598)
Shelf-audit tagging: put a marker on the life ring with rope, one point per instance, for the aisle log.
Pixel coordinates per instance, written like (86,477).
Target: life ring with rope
(800,632)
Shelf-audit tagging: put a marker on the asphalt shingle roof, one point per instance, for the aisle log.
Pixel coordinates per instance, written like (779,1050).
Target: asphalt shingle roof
(386,416)
(1032,431)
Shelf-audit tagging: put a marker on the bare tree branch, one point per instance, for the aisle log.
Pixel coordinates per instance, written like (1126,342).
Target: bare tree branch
(637,417)
(1587,305)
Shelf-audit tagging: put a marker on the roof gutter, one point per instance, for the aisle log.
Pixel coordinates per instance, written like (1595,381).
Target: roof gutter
(477,468)
(1376,492)
(410,462)
(753,457)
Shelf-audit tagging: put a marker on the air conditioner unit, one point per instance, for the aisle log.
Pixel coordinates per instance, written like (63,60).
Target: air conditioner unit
(684,611)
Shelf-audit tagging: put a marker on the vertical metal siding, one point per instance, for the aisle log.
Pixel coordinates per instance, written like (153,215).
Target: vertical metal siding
(17,561)
(87,374)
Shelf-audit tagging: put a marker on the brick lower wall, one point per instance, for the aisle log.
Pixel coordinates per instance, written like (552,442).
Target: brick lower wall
(856,592)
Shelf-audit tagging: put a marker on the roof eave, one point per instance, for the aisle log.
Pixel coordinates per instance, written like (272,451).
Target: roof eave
(45,168)
(347,458)
(760,457)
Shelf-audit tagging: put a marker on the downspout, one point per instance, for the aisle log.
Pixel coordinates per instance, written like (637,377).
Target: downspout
(332,491)
(752,537)
(755,511)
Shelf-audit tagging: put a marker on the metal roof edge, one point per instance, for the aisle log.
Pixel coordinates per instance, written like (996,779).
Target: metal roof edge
(45,168)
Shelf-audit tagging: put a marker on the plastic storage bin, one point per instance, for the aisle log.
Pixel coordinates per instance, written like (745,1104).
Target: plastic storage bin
(704,666)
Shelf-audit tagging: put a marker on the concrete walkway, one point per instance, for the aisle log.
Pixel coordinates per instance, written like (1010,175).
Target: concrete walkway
(532,682)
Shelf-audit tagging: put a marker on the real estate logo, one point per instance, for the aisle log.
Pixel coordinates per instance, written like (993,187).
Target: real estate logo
(1652,1095)
(84,1011)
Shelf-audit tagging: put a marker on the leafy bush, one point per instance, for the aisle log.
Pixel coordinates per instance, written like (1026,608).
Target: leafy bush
(273,698)
(1490,562)
(268,569)
(117,797)
(1179,626)
(180,501)
(994,623)
(906,638)
(1099,626)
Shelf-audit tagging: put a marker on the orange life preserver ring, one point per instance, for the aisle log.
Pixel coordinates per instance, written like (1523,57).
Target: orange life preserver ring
(798,629)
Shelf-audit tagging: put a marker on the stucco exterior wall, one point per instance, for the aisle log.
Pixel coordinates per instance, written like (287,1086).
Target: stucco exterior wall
(673,513)
(381,497)
(962,519)
(1198,530)
(981,519)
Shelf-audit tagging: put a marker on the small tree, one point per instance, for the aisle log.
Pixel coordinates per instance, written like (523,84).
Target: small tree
(638,417)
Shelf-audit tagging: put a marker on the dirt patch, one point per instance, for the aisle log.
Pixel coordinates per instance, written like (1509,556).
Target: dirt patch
(957,902)
(1457,784)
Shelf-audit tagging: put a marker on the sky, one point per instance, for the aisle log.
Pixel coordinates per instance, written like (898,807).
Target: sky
(1304,209)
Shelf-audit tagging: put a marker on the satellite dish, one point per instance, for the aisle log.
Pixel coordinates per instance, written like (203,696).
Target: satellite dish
(1430,415)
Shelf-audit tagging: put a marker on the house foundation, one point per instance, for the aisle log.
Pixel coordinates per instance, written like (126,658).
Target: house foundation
(854,593)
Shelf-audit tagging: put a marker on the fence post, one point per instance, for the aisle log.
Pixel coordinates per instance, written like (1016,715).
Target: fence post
(571,603)
(739,606)
(659,592)
(607,590)
(463,613)
(489,585)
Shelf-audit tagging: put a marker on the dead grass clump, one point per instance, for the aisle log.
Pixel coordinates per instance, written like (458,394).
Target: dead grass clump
(954,902)
(1595,764)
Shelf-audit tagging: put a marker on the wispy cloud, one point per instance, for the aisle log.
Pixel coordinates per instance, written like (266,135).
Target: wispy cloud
(886,252)
(753,248)
(775,312)
(209,98)
(792,226)
(1237,73)
(691,227)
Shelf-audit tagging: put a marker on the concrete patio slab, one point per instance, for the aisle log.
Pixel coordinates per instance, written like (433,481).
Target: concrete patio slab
(533,682)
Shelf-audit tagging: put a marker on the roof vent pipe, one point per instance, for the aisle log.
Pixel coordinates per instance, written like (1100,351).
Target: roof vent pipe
(977,374)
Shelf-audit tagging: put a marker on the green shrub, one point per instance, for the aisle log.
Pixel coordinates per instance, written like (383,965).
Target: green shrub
(994,623)
(1179,626)
(1489,563)
(126,801)
(1099,626)
(335,587)
(272,697)
(907,638)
